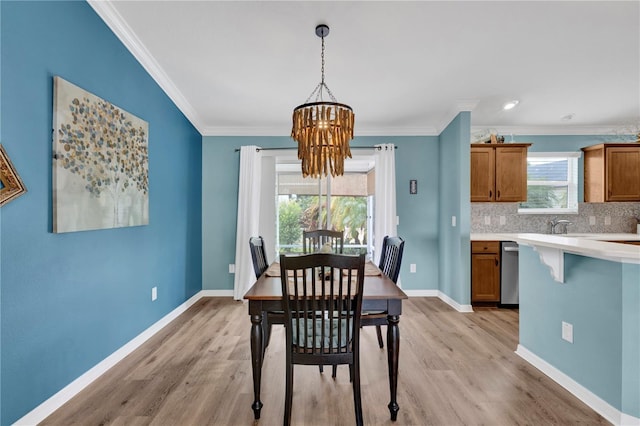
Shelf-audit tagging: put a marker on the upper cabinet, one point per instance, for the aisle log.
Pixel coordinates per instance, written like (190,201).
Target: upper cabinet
(612,172)
(499,172)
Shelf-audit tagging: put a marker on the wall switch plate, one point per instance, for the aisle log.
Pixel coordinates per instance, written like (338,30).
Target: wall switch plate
(567,332)
(154,293)
(232,268)
(412,268)
(592,220)
(503,220)
(487,220)
(453,221)
(607,220)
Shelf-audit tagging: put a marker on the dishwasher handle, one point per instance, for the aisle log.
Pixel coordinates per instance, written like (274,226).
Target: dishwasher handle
(510,248)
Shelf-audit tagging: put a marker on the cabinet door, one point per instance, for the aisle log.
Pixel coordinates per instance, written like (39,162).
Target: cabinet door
(485,278)
(623,173)
(511,174)
(483,162)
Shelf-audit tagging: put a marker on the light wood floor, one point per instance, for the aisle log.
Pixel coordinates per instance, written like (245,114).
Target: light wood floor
(455,369)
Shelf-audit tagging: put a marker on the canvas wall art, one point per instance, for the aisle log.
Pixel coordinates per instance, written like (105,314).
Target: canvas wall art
(100,163)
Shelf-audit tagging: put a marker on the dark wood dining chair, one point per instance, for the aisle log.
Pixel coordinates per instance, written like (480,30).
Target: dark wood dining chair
(258,255)
(312,241)
(260,266)
(322,300)
(390,262)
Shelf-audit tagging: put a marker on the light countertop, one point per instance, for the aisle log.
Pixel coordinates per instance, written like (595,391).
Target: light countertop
(591,245)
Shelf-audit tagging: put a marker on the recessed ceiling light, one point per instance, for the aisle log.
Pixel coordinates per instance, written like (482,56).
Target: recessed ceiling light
(510,105)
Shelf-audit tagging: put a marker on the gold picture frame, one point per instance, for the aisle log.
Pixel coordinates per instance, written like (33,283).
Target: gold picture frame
(11,185)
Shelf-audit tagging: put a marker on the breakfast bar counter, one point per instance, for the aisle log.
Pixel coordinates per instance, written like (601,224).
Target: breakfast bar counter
(580,317)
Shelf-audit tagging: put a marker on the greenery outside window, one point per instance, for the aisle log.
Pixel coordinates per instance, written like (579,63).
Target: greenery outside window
(552,183)
(344,202)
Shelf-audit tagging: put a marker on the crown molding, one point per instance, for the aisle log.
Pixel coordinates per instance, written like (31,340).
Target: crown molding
(280,131)
(554,130)
(127,36)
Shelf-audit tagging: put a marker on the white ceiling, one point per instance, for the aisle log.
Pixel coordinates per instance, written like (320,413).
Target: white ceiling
(406,68)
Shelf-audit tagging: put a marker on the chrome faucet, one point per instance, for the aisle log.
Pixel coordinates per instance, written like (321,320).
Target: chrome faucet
(559,226)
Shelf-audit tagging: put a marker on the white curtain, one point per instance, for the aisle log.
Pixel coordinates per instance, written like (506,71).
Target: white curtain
(385,219)
(248,217)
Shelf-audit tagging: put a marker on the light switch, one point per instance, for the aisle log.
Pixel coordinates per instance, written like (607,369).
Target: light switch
(453,221)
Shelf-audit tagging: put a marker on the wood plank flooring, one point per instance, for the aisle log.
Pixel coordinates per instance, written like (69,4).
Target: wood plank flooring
(455,369)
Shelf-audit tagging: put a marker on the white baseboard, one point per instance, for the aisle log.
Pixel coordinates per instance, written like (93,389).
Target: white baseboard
(455,305)
(437,293)
(599,405)
(45,409)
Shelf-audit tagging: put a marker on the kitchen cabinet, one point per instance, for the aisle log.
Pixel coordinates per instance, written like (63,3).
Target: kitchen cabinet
(485,271)
(499,172)
(612,172)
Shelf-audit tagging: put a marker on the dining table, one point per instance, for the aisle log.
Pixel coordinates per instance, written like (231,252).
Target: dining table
(380,294)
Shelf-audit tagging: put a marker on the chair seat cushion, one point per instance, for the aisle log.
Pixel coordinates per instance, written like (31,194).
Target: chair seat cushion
(332,328)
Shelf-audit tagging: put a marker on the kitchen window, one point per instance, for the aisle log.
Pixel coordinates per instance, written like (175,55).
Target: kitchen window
(552,183)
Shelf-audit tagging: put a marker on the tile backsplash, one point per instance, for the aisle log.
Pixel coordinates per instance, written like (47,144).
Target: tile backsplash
(592,217)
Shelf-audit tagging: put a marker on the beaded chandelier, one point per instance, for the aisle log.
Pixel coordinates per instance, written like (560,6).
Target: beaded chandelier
(322,129)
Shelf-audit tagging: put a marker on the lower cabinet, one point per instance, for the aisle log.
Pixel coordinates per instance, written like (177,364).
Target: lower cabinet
(485,271)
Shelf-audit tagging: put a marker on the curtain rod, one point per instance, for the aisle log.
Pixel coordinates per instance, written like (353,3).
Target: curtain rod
(379,148)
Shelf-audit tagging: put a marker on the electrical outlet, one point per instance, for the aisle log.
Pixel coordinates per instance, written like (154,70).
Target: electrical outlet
(412,268)
(487,220)
(567,332)
(154,293)
(607,220)
(503,220)
(232,268)
(453,221)
(592,220)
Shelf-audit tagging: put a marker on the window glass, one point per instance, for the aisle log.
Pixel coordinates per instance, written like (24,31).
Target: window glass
(300,207)
(552,183)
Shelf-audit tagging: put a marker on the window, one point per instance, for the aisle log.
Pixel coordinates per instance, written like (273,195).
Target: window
(552,183)
(345,202)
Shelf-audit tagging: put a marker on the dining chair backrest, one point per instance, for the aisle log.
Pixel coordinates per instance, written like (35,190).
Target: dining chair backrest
(312,241)
(391,257)
(322,301)
(258,255)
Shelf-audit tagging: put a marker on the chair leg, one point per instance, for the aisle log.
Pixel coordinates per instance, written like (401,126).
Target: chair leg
(321,368)
(351,373)
(288,399)
(379,333)
(357,397)
(334,370)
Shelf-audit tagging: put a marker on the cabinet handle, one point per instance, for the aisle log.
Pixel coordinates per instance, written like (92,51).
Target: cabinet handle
(498,195)
(490,193)
(497,262)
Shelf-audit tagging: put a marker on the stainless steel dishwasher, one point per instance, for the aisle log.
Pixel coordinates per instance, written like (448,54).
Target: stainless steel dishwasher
(509,297)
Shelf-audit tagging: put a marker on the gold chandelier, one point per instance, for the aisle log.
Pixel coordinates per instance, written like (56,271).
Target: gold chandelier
(322,129)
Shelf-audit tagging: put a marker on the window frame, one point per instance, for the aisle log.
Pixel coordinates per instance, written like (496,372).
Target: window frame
(572,182)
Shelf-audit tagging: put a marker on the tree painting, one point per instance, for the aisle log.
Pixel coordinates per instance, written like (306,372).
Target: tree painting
(100,163)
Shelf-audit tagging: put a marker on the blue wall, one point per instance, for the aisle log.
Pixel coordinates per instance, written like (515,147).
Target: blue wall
(455,165)
(67,301)
(416,158)
(602,301)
